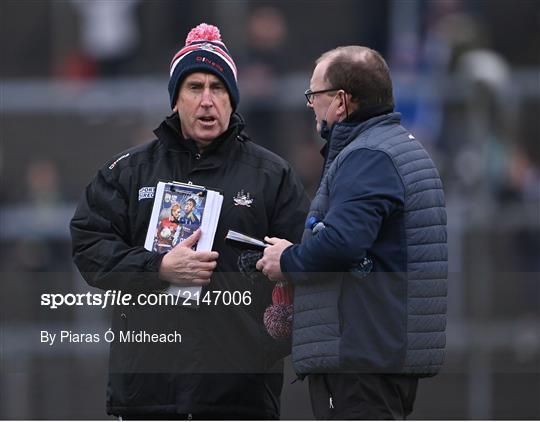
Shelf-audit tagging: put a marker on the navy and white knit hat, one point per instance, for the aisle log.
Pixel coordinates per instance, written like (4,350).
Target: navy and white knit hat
(204,52)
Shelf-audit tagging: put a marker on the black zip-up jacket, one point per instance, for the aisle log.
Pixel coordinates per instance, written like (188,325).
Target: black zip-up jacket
(226,363)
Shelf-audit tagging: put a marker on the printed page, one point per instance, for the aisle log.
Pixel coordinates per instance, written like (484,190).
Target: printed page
(179,210)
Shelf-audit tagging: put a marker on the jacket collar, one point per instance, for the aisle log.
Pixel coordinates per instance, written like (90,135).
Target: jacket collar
(342,133)
(215,155)
(170,133)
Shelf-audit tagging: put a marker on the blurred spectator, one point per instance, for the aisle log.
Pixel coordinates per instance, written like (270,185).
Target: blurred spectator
(264,59)
(450,30)
(34,229)
(524,177)
(479,165)
(42,181)
(306,157)
(424,60)
(420,109)
(263,62)
(109,38)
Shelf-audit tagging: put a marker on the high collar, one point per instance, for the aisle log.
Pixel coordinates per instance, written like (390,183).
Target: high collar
(344,132)
(365,113)
(336,135)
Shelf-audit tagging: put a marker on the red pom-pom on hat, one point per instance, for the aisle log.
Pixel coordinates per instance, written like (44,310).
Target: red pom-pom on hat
(203,32)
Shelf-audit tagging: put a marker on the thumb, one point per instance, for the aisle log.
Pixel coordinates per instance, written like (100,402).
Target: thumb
(191,240)
(271,240)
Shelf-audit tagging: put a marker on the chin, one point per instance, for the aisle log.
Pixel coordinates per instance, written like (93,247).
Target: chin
(208,136)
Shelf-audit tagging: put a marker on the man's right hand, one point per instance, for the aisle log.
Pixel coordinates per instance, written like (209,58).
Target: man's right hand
(183,265)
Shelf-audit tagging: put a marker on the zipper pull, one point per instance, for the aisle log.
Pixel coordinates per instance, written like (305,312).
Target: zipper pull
(189,416)
(331,403)
(298,378)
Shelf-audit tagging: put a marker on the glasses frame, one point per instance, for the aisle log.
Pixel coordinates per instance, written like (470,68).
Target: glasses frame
(309,94)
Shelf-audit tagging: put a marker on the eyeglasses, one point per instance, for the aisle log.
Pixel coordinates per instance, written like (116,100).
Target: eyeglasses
(310,94)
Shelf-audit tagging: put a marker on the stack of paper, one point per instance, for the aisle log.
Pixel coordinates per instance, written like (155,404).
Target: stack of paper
(180,209)
(245,240)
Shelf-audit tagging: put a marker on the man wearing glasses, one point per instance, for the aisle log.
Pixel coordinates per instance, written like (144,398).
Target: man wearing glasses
(370,273)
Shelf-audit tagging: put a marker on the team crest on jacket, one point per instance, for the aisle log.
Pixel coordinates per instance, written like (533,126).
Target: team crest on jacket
(146,192)
(243,198)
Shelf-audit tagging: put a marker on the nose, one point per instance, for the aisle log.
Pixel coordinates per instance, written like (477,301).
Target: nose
(206,100)
(309,105)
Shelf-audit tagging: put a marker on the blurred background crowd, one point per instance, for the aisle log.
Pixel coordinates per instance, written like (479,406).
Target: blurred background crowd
(82,80)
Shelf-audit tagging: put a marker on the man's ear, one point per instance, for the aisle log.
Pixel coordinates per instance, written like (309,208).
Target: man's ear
(352,105)
(342,106)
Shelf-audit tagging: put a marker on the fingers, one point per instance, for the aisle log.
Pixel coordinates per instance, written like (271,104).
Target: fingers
(192,268)
(191,240)
(206,256)
(201,281)
(260,265)
(198,276)
(205,266)
(271,240)
(201,277)
(183,265)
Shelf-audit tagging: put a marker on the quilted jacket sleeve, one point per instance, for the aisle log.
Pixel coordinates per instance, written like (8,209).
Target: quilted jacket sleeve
(366,189)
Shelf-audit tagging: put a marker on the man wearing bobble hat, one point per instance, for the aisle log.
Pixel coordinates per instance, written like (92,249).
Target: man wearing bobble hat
(226,365)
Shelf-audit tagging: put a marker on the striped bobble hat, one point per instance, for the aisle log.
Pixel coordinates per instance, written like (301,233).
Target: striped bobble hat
(204,52)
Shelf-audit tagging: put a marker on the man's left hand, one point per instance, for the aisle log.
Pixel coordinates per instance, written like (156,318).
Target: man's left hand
(269,263)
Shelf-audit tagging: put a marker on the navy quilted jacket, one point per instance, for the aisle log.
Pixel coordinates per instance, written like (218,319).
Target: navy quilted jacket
(370,274)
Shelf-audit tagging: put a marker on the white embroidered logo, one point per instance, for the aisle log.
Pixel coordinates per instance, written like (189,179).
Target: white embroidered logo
(207,46)
(243,199)
(118,159)
(146,192)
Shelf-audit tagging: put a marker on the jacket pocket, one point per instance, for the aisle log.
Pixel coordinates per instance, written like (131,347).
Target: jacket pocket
(374,317)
